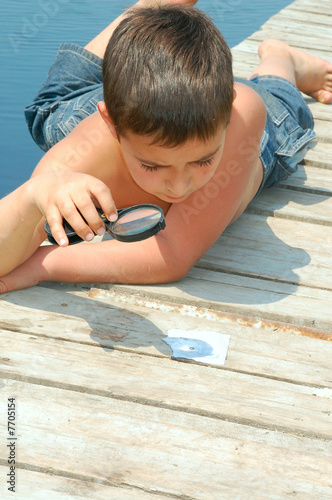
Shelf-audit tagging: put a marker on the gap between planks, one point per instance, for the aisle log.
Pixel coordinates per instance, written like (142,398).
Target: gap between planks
(56,484)
(178,386)
(167,452)
(139,323)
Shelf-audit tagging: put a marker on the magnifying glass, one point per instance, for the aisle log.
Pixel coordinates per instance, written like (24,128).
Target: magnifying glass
(133,224)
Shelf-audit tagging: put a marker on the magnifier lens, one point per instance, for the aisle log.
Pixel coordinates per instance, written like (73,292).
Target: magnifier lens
(134,224)
(136,221)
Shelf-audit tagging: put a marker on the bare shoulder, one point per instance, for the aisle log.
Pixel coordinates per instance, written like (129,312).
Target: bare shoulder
(249,106)
(245,130)
(87,149)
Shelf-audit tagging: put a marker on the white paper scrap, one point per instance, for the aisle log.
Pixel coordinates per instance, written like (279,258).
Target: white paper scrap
(199,345)
(323,393)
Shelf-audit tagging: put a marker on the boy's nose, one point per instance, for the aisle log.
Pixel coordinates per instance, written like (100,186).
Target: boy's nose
(178,186)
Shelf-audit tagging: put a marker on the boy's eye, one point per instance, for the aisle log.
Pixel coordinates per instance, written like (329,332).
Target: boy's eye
(205,163)
(149,168)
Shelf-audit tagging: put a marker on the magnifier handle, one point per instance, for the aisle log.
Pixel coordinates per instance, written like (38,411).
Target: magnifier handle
(103,216)
(112,228)
(70,233)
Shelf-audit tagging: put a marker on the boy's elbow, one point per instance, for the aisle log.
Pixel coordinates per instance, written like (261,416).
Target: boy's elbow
(175,268)
(177,272)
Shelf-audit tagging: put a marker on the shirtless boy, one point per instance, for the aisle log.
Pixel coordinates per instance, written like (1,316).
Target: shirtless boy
(174,130)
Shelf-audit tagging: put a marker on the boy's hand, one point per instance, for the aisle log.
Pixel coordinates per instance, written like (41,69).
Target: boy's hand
(73,196)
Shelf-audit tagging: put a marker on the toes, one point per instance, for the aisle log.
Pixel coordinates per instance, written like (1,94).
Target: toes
(327,98)
(328,84)
(322,96)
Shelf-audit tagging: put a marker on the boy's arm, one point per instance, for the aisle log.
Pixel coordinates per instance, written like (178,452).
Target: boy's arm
(48,196)
(19,220)
(191,226)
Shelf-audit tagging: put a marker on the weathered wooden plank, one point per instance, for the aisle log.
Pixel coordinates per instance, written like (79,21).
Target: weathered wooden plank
(41,485)
(247,51)
(317,19)
(319,25)
(284,24)
(227,294)
(319,111)
(307,41)
(269,300)
(250,59)
(165,451)
(306,207)
(292,233)
(324,5)
(115,321)
(312,179)
(276,249)
(311,7)
(243,69)
(201,390)
(323,130)
(321,155)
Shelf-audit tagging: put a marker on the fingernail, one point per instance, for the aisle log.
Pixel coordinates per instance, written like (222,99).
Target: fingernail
(89,237)
(62,242)
(101,231)
(113,217)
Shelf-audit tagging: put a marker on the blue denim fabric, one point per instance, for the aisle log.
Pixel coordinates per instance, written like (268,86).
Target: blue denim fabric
(288,132)
(70,94)
(74,86)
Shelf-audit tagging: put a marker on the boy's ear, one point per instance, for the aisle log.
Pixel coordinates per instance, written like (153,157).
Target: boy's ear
(234,94)
(105,116)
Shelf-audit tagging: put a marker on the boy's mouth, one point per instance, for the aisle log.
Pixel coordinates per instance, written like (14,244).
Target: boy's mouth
(176,199)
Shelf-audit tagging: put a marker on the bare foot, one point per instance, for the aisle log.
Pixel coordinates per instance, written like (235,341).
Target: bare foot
(313,74)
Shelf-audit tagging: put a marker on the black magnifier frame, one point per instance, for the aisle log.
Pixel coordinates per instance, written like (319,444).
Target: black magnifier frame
(110,226)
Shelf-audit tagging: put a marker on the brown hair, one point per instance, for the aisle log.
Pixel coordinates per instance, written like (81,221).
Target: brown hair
(167,74)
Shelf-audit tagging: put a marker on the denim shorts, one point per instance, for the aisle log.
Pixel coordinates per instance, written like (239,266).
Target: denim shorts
(74,86)
(288,131)
(72,89)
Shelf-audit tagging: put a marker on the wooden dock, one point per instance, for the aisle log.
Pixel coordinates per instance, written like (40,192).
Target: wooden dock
(104,412)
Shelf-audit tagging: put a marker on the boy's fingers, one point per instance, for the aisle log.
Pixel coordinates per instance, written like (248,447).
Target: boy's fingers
(78,224)
(93,221)
(103,196)
(79,210)
(55,221)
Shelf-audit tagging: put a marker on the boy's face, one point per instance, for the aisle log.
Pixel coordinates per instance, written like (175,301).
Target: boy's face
(172,174)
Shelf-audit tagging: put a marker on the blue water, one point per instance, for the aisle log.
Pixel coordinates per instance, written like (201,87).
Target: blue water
(31,31)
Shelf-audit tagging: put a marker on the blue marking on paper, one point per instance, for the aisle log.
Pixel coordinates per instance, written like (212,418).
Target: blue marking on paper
(198,345)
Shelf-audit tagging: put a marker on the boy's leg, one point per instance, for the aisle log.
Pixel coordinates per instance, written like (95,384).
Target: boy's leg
(74,85)
(98,45)
(312,75)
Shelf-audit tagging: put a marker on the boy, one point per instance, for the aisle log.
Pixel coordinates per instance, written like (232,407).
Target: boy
(174,130)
